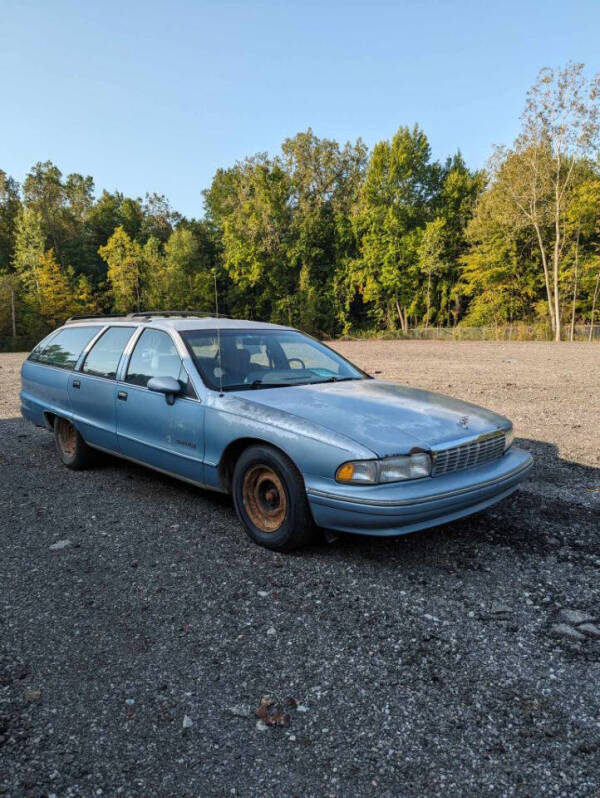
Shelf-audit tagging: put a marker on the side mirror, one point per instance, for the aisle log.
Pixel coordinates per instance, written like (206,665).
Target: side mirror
(167,385)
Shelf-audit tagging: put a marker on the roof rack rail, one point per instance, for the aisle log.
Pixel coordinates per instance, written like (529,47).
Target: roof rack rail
(166,313)
(148,314)
(95,316)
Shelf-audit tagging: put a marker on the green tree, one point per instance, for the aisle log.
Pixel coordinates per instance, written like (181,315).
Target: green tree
(182,260)
(125,265)
(324,183)
(55,291)
(10,205)
(155,289)
(85,300)
(455,204)
(43,193)
(581,229)
(394,206)
(500,278)
(431,258)
(560,127)
(251,204)
(9,305)
(158,219)
(29,249)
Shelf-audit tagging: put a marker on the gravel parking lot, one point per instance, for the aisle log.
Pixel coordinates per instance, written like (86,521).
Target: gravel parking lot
(459,661)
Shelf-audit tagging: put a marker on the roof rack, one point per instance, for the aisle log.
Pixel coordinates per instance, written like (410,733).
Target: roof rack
(148,314)
(95,316)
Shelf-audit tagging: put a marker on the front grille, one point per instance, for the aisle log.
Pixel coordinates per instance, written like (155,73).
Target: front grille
(468,455)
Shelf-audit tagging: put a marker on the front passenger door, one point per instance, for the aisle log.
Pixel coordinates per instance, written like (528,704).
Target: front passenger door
(149,430)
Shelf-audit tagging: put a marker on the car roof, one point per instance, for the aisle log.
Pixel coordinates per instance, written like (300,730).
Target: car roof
(177,323)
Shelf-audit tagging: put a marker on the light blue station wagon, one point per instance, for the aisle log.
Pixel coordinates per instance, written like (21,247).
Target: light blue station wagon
(299,436)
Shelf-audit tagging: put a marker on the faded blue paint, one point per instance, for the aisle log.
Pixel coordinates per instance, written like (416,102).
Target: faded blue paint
(318,426)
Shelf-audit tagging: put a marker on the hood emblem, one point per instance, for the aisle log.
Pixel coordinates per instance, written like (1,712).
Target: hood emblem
(463,422)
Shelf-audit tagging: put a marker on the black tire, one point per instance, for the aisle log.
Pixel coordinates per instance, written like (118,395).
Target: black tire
(260,477)
(72,449)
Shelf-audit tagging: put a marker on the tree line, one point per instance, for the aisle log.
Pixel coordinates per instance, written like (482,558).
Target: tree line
(329,238)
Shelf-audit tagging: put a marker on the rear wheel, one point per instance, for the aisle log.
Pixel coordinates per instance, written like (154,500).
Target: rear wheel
(270,499)
(72,449)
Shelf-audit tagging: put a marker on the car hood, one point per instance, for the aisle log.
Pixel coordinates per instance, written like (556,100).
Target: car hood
(386,417)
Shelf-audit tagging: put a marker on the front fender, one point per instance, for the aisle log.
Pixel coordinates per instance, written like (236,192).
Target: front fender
(314,449)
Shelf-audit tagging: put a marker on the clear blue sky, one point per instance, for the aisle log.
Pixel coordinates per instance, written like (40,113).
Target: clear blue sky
(155,96)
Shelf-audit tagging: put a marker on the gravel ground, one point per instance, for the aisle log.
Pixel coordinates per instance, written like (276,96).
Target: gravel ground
(459,661)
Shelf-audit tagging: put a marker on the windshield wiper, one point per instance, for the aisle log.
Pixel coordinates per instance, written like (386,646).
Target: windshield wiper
(332,379)
(252,386)
(260,384)
(256,384)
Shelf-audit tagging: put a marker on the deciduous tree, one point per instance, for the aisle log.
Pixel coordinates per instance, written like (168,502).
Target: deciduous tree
(560,127)
(125,262)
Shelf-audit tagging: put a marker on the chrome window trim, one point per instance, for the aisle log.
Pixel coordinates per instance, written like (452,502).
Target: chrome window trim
(50,366)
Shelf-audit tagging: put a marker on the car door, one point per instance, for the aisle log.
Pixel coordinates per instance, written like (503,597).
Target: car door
(93,388)
(169,437)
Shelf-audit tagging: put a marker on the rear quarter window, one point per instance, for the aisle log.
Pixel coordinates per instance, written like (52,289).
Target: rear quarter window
(63,349)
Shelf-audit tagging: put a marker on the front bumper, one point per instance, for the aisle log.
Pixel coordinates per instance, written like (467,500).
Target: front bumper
(401,507)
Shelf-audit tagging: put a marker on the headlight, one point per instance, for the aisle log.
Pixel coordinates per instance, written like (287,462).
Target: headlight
(390,469)
(509,437)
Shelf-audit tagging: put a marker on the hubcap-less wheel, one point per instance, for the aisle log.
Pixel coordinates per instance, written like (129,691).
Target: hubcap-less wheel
(264,498)
(67,437)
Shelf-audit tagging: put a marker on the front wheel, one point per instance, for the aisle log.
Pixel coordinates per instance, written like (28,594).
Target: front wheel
(72,449)
(270,499)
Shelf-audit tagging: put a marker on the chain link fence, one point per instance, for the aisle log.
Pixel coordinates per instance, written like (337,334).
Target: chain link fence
(505,332)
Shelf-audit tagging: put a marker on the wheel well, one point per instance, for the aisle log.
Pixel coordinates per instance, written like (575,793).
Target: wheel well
(49,418)
(231,454)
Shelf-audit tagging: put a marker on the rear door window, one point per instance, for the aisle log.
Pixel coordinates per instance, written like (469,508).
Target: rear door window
(64,348)
(103,358)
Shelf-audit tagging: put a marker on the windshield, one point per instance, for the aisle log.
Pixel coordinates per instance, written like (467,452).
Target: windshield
(253,359)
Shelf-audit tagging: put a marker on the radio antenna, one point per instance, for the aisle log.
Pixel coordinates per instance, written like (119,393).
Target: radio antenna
(218,334)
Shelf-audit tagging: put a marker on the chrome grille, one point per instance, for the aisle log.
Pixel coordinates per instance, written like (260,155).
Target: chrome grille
(468,455)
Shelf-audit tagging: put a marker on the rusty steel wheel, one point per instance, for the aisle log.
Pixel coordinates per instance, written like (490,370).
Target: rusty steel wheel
(72,449)
(264,498)
(270,499)
(66,435)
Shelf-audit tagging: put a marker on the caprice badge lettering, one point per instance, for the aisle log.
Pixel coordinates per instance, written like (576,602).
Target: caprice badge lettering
(189,444)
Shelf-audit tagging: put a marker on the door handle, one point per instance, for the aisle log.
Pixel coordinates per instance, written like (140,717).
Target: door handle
(76,384)
(122,395)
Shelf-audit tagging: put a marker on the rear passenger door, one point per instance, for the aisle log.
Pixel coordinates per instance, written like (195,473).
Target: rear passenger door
(167,437)
(93,388)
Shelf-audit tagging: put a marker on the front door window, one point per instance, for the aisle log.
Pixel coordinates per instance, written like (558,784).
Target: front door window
(155,355)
